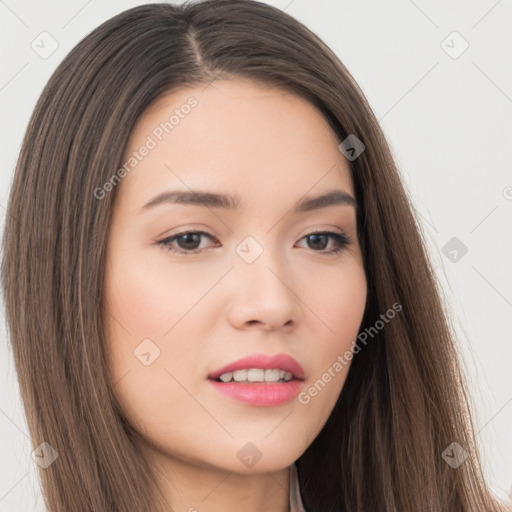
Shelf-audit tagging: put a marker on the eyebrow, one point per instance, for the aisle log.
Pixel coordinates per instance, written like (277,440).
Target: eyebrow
(229,202)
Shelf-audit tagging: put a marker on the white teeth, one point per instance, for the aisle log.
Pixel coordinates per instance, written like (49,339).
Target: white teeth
(256,375)
(226,377)
(240,375)
(272,375)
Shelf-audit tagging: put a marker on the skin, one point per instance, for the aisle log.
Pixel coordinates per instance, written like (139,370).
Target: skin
(205,310)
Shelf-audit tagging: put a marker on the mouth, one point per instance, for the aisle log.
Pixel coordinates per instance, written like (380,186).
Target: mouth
(256,376)
(259,368)
(260,380)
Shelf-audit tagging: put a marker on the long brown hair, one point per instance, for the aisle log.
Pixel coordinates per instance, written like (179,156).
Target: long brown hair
(403,403)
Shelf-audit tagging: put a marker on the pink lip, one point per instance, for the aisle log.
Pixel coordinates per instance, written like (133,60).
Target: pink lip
(265,394)
(267,362)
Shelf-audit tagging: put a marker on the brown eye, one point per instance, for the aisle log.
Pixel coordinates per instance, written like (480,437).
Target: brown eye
(319,240)
(187,242)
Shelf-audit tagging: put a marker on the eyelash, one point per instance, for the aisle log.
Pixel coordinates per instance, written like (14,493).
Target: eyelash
(342,240)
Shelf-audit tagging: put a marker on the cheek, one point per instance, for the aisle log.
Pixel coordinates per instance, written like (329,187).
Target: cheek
(149,295)
(156,318)
(338,300)
(148,342)
(339,307)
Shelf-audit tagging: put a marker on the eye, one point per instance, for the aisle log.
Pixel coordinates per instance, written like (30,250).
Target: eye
(320,239)
(188,242)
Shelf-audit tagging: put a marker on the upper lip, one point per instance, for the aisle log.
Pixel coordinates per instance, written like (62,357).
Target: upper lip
(264,361)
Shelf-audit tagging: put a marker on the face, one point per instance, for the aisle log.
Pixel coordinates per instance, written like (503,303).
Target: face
(194,286)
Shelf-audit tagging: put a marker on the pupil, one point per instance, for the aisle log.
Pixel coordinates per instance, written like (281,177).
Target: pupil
(190,238)
(315,237)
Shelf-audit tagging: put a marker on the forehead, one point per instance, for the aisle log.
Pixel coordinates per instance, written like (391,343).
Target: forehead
(237,135)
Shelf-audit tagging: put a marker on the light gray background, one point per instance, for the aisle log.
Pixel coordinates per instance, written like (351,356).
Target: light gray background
(448,121)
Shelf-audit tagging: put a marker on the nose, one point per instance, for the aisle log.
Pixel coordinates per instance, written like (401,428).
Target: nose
(263,295)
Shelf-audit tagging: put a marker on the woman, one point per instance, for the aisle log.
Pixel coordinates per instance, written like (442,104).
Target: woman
(251,369)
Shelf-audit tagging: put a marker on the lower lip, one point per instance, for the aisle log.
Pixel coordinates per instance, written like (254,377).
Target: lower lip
(261,394)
